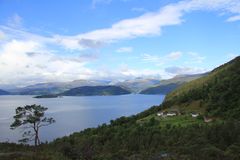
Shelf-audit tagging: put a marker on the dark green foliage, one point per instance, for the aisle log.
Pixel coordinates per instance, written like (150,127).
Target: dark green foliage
(95,90)
(47,96)
(166,86)
(161,89)
(31,119)
(125,139)
(11,151)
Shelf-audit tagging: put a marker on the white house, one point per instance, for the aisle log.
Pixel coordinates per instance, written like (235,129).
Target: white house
(171,114)
(194,115)
(160,114)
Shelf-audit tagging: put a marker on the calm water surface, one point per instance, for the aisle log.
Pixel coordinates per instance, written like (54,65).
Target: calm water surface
(73,113)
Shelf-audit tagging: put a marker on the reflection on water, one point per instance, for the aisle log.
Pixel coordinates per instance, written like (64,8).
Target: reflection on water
(73,113)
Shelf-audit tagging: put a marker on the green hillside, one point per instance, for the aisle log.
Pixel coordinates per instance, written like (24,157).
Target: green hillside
(216,94)
(161,89)
(168,85)
(95,90)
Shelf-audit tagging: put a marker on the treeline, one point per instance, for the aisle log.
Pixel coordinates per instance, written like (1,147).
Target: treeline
(124,139)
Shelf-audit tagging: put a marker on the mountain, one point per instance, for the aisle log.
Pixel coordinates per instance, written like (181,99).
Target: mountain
(147,136)
(7,87)
(216,94)
(135,86)
(56,87)
(166,86)
(138,84)
(2,92)
(95,90)
(161,89)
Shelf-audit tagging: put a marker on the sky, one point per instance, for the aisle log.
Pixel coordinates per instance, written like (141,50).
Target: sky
(49,41)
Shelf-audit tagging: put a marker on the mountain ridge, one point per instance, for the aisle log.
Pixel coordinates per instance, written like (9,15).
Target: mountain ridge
(95,90)
(168,85)
(3,92)
(137,85)
(90,91)
(216,94)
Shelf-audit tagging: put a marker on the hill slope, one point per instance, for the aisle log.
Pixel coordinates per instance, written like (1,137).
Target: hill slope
(161,89)
(2,92)
(138,84)
(216,94)
(95,90)
(166,86)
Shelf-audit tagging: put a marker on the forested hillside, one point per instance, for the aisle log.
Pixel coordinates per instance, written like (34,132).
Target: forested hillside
(216,94)
(168,85)
(95,90)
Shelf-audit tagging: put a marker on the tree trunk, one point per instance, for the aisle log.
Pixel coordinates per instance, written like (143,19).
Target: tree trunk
(38,140)
(35,138)
(35,141)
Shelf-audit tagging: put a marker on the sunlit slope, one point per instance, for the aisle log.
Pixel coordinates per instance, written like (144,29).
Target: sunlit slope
(217,94)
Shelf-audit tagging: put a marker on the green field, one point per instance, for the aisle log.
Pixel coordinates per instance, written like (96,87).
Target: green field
(181,120)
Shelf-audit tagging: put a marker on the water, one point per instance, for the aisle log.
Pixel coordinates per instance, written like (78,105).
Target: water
(73,114)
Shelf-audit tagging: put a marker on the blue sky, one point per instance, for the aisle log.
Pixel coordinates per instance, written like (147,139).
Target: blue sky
(44,41)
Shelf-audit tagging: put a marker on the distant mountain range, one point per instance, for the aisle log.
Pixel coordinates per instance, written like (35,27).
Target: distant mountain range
(56,87)
(90,91)
(2,92)
(95,90)
(166,86)
(137,85)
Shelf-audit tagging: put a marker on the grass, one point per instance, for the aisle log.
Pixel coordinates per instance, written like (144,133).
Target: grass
(191,107)
(181,120)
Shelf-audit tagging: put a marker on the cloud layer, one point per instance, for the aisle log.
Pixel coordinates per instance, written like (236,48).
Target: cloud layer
(26,57)
(24,62)
(151,23)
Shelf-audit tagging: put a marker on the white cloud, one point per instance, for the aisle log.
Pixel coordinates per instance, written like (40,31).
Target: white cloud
(196,58)
(182,70)
(159,60)
(233,18)
(174,55)
(15,21)
(24,62)
(125,72)
(124,50)
(152,58)
(19,34)
(26,56)
(145,25)
(150,23)
(2,35)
